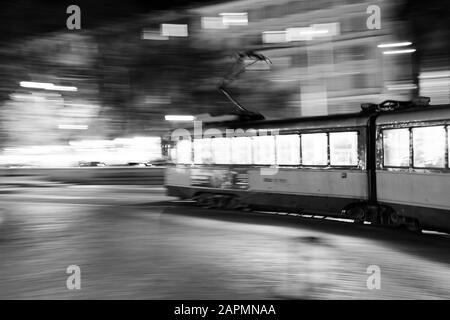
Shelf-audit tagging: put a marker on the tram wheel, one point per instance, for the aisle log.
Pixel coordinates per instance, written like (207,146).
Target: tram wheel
(199,198)
(221,201)
(395,219)
(413,225)
(234,203)
(358,215)
(204,200)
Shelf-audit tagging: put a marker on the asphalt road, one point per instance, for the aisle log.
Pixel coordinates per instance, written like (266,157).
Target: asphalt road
(133,242)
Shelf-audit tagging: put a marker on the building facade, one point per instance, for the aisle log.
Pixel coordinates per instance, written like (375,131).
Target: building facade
(325,55)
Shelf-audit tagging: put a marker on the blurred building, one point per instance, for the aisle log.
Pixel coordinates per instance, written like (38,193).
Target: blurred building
(129,74)
(325,59)
(34,115)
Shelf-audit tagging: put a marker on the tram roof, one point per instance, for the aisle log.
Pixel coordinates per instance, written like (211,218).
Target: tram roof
(347,120)
(416,114)
(326,121)
(431,113)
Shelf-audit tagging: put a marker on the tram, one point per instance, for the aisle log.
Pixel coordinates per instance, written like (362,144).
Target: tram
(388,165)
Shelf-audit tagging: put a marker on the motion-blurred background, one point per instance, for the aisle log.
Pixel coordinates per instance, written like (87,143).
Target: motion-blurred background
(132,63)
(105,95)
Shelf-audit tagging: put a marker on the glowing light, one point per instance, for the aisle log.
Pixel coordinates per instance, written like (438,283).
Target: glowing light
(174,30)
(62,88)
(399,51)
(326,29)
(27,97)
(313,31)
(392,45)
(179,118)
(46,86)
(318,32)
(274,36)
(233,14)
(35,85)
(234,19)
(137,149)
(72,127)
(406,86)
(434,74)
(299,34)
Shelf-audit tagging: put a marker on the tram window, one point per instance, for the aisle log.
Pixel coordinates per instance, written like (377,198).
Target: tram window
(184,152)
(202,151)
(221,150)
(429,147)
(288,149)
(264,149)
(241,150)
(314,149)
(344,148)
(396,147)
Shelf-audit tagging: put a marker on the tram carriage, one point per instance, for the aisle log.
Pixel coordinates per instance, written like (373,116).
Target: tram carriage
(413,170)
(388,167)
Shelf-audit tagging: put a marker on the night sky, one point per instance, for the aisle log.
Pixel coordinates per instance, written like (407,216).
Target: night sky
(27,18)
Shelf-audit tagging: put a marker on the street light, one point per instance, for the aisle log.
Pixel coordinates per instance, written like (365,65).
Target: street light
(72,127)
(399,51)
(393,45)
(46,86)
(179,118)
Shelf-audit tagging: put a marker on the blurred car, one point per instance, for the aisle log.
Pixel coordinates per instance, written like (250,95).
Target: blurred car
(92,164)
(136,164)
(157,162)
